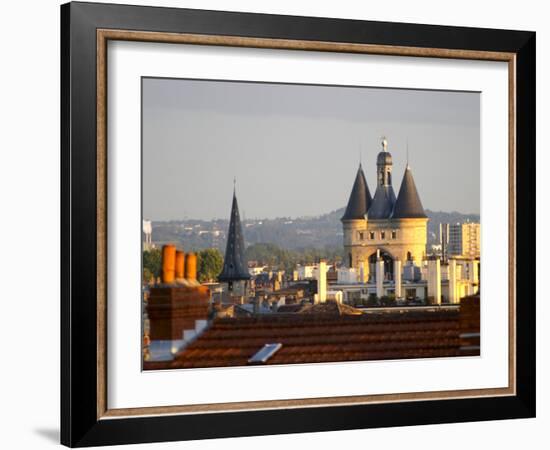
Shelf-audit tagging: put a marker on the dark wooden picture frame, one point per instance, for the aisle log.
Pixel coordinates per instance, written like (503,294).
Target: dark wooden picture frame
(85,30)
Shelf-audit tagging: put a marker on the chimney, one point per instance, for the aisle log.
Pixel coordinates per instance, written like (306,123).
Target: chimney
(362,272)
(434,281)
(322,281)
(453,287)
(379,275)
(191,266)
(168,263)
(180,264)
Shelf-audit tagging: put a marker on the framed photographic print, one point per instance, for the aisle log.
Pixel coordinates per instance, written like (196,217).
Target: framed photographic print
(277,224)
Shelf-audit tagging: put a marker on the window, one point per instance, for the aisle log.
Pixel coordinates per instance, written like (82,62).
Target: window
(394,234)
(266,352)
(371,234)
(382,235)
(360,235)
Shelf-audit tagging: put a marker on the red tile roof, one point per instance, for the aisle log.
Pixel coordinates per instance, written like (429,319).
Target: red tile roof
(330,307)
(310,338)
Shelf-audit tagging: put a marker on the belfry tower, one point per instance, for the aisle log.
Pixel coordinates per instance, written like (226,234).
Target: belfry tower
(384,197)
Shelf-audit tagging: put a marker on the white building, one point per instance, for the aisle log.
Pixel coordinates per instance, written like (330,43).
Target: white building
(308,272)
(147,234)
(432,280)
(256,270)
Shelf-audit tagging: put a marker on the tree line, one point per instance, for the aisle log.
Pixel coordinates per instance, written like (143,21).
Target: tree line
(209,264)
(267,254)
(210,260)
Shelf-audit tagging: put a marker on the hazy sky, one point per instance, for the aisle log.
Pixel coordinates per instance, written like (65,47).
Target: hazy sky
(295,149)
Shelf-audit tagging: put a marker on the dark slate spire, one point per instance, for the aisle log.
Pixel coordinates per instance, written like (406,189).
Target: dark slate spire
(359,199)
(234,264)
(408,205)
(382,204)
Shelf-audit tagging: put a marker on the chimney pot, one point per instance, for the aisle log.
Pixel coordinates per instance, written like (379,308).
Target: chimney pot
(180,264)
(191,266)
(168,263)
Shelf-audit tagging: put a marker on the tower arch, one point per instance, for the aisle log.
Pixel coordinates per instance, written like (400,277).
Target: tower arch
(388,259)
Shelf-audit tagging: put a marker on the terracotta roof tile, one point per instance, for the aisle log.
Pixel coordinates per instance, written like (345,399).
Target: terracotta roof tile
(310,338)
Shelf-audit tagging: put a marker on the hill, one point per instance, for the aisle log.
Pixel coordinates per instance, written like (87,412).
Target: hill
(320,232)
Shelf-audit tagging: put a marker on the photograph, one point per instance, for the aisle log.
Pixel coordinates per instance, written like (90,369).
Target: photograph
(271,225)
(292,223)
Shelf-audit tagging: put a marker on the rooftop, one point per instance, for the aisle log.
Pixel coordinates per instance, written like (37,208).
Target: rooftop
(318,337)
(359,199)
(383,202)
(408,204)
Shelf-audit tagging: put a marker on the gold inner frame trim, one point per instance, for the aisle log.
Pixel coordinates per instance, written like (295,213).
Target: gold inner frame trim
(104,35)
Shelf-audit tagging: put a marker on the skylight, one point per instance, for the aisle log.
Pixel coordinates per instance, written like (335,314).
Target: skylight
(266,352)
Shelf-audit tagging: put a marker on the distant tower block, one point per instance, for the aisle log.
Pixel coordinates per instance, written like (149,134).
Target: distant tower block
(180,264)
(168,263)
(191,266)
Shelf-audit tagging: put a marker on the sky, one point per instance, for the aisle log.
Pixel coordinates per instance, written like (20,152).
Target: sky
(294,150)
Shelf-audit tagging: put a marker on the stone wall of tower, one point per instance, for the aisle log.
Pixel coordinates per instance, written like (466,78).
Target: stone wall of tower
(352,228)
(363,237)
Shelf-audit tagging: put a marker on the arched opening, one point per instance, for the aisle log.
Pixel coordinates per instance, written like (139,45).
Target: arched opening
(388,265)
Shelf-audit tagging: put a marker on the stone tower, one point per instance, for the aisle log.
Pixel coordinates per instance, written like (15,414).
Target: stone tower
(388,229)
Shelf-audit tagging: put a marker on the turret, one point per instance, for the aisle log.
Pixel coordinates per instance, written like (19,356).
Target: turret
(359,199)
(408,204)
(384,197)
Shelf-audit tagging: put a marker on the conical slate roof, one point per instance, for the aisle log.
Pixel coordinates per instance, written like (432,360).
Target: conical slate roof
(359,199)
(408,204)
(383,202)
(234,264)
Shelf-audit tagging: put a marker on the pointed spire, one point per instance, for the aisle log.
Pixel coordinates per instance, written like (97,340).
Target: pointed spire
(382,203)
(234,264)
(359,199)
(408,204)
